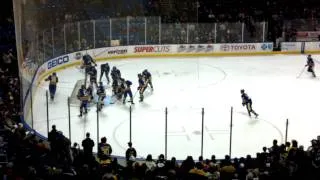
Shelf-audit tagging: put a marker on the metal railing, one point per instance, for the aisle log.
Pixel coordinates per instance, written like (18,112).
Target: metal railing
(84,35)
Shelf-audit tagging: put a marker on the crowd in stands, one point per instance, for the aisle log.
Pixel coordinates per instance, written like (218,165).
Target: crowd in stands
(282,21)
(23,155)
(277,14)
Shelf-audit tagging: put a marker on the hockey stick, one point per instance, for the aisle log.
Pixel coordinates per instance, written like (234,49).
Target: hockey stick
(135,94)
(301,72)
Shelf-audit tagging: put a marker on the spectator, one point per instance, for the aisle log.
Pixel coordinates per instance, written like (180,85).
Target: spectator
(131,153)
(197,172)
(315,160)
(52,138)
(87,145)
(151,165)
(275,150)
(104,150)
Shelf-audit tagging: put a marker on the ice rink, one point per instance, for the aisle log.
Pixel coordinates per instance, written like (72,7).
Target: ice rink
(184,86)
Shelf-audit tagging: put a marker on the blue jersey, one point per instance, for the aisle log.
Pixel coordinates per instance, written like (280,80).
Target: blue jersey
(101,91)
(82,95)
(127,85)
(245,98)
(141,82)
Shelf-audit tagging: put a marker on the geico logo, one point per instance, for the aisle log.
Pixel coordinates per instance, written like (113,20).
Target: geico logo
(55,62)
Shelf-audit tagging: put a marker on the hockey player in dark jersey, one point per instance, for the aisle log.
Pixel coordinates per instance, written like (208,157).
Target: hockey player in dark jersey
(120,88)
(88,62)
(53,80)
(148,78)
(101,95)
(115,73)
(310,65)
(142,86)
(115,86)
(246,101)
(127,91)
(105,69)
(84,99)
(93,76)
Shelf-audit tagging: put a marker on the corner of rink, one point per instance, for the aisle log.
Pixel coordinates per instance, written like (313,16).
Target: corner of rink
(73,97)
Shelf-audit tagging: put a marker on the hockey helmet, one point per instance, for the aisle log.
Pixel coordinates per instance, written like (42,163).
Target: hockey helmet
(242,91)
(139,75)
(54,73)
(83,86)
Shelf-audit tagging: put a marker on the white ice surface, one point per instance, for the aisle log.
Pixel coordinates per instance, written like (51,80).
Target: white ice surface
(185,85)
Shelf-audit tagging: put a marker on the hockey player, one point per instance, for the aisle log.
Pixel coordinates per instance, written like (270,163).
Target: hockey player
(246,101)
(101,95)
(127,91)
(148,78)
(115,73)
(87,62)
(115,86)
(93,76)
(84,99)
(142,86)
(90,93)
(120,88)
(105,69)
(310,65)
(52,84)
